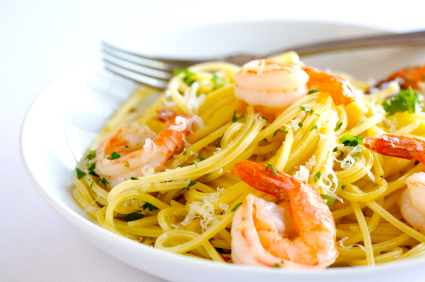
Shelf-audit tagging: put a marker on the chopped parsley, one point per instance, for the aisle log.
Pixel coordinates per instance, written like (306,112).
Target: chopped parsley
(189,77)
(179,165)
(235,118)
(90,168)
(338,126)
(103,181)
(314,127)
(405,101)
(219,81)
(236,207)
(273,168)
(127,165)
(188,186)
(300,124)
(133,216)
(201,158)
(264,118)
(317,176)
(284,131)
(343,187)
(335,149)
(274,134)
(184,153)
(115,156)
(80,174)
(91,184)
(275,265)
(219,142)
(312,91)
(274,155)
(91,155)
(311,100)
(149,206)
(342,155)
(328,199)
(351,140)
(134,178)
(196,163)
(306,109)
(360,122)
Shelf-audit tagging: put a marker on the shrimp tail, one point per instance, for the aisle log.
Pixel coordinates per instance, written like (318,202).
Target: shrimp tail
(264,179)
(340,89)
(397,145)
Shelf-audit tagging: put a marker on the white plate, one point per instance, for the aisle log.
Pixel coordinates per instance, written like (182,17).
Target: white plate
(70,112)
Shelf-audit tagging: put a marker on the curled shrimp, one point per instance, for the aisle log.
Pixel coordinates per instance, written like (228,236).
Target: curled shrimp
(407,77)
(412,201)
(301,235)
(137,152)
(397,145)
(275,86)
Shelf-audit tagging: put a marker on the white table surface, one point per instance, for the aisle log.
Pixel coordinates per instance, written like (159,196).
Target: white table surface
(41,39)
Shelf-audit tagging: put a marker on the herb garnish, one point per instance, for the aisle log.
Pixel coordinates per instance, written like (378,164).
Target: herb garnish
(127,165)
(351,140)
(115,156)
(196,163)
(328,199)
(80,174)
(149,206)
(312,91)
(314,127)
(360,122)
(134,178)
(317,176)
(103,181)
(133,216)
(188,186)
(306,109)
(405,101)
(91,155)
(343,187)
(300,124)
(189,77)
(235,118)
(236,207)
(338,126)
(219,142)
(273,168)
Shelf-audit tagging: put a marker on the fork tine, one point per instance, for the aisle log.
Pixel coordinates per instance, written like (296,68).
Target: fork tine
(165,75)
(159,64)
(151,81)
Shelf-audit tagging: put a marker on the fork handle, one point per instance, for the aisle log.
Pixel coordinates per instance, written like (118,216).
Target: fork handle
(400,39)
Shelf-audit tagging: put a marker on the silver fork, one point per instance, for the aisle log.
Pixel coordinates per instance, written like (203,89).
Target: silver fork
(157,71)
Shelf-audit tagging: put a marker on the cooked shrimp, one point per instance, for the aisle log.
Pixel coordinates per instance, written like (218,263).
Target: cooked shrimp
(412,201)
(303,235)
(137,151)
(340,89)
(397,145)
(408,76)
(275,86)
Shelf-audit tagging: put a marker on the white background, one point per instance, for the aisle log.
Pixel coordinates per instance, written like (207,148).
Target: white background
(41,39)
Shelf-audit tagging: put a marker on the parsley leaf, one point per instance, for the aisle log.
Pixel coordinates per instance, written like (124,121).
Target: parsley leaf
(184,153)
(235,118)
(311,100)
(264,118)
(127,165)
(219,81)
(300,124)
(328,199)
(405,101)
(351,140)
(342,155)
(284,131)
(343,187)
(275,265)
(103,181)
(306,109)
(134,178)
(273,168)
(91,155)
(196,163)
(317,176)
(314,127)
(189,77)
(201,158)
(115,156)
(80,174)
(133,216)
(335,149)
(274,155)
(236,207)
(188,186)
(149,206)
(91,167)
(274,134)
(360,122)
(219,142)
(91,184)
(312,91)
(338,126)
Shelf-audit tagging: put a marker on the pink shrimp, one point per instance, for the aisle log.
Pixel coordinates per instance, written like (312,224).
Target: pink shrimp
(299,236)
(397,145)
(137,152)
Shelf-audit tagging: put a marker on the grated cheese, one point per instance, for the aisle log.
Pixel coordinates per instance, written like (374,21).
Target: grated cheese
(223,206)
(302,174)
(311,163)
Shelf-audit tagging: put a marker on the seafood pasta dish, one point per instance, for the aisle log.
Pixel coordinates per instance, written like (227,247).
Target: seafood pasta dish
(275,164)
